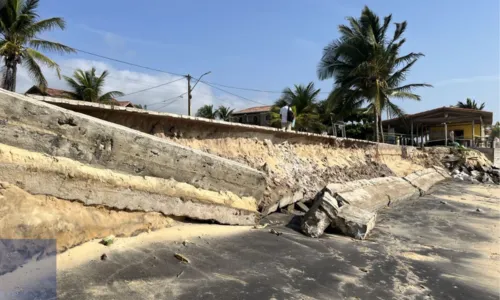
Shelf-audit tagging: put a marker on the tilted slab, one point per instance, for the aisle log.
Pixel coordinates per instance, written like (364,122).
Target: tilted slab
(372,194)
(64,178)
(37,126)
(352,207)
(425,179)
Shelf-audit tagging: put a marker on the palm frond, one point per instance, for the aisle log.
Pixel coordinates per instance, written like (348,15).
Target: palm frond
(34,70)
(50,46)
(39,57)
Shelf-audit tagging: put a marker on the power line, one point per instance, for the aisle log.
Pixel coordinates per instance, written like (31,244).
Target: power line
(162,71)
(163,101)
(127,63)
(230,93)
(150,88)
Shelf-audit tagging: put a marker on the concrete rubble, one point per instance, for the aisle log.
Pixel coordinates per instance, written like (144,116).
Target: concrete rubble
(352,207)
(472,166)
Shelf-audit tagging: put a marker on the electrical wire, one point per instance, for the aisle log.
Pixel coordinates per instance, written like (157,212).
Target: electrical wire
(127,63)
(150,88)
(230,93)
(163,101)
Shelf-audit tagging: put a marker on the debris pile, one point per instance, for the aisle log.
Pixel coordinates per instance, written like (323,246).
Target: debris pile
(329,211)
(472,166)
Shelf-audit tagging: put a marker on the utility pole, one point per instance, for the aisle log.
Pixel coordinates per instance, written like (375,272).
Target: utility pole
(189,93)
(191,89)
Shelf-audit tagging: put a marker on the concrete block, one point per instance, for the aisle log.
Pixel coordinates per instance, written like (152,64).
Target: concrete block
(373,194)
(354,221)
(41,174)
(425,179)
(37,126)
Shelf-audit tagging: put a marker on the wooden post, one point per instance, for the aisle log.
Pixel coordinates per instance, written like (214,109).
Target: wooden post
(445,134)
(189,94)
(411,136)
(472,143)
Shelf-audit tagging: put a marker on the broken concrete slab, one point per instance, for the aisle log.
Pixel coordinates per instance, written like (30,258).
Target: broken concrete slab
(425,179)
(37,126)
(352,206)
(372,194)
(354,221)
(64,178)
(442,171)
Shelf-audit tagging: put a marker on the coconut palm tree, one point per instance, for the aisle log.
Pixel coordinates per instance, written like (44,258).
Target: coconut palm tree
(207,111)
(367,66)
(304,103)
(87,86)
(471,104)
(224,112)
(19,42)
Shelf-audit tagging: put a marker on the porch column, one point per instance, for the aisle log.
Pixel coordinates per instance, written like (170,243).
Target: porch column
(472,143)
(445,134)
(482,131)
(411,127)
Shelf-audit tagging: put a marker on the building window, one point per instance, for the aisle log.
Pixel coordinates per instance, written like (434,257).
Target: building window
(256,120)
(268,117)
(240,120)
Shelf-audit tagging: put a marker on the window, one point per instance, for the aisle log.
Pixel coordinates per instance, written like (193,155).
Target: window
(255,120)
(268,117)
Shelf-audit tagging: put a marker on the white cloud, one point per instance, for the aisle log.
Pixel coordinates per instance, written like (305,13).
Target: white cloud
(468,80)
(113,39)
(128,81)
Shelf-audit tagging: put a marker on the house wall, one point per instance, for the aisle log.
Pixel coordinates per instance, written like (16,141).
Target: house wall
(437,132)
(249,118)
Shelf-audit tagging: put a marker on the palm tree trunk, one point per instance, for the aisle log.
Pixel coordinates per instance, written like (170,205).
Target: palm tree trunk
(9,75)
(381,127)
(376,129)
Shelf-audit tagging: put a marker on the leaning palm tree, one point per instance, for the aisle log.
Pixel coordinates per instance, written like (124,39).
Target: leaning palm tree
(207,111)
(19,42)
(304,103)
(87,86)
(367,66)
(471,104)
(224,113)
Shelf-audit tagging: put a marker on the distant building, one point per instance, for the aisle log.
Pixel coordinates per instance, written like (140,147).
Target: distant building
(259,115)
(56,93)
(440,126)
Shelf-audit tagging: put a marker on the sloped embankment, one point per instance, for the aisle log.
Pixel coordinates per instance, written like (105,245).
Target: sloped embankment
(299,170)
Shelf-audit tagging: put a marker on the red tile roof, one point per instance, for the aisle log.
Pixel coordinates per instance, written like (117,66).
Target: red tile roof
(256,109)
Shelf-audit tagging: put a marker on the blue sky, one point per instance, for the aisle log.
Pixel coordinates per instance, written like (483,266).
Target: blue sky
(269,45)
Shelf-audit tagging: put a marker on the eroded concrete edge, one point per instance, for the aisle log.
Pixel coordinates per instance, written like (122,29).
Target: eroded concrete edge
(66,179)
(41,127)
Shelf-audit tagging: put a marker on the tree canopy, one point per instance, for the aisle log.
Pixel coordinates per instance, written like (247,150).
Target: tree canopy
(367,67)
(87,86)
(20,42)
(471,104)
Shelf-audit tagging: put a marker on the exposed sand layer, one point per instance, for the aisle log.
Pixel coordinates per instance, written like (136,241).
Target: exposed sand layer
(24,216)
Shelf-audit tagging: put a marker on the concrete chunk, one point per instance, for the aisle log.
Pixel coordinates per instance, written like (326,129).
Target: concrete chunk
(354,221)
(425,179)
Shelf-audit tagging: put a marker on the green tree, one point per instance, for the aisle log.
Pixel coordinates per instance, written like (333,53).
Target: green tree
(368,68)
(20,28)
(495,131)
(303,100)
(207,111)
(87,86)
(471,104)
(224,112)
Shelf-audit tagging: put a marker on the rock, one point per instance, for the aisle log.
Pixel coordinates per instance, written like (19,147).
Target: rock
(104,257)
(302,206)
(181,258)
(354,221)
(315,222)
(274,231)
(455,172)
(475,173)
(486,178)
(494,172)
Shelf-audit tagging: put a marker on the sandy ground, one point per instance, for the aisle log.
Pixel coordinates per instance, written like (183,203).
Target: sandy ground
(444,245)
